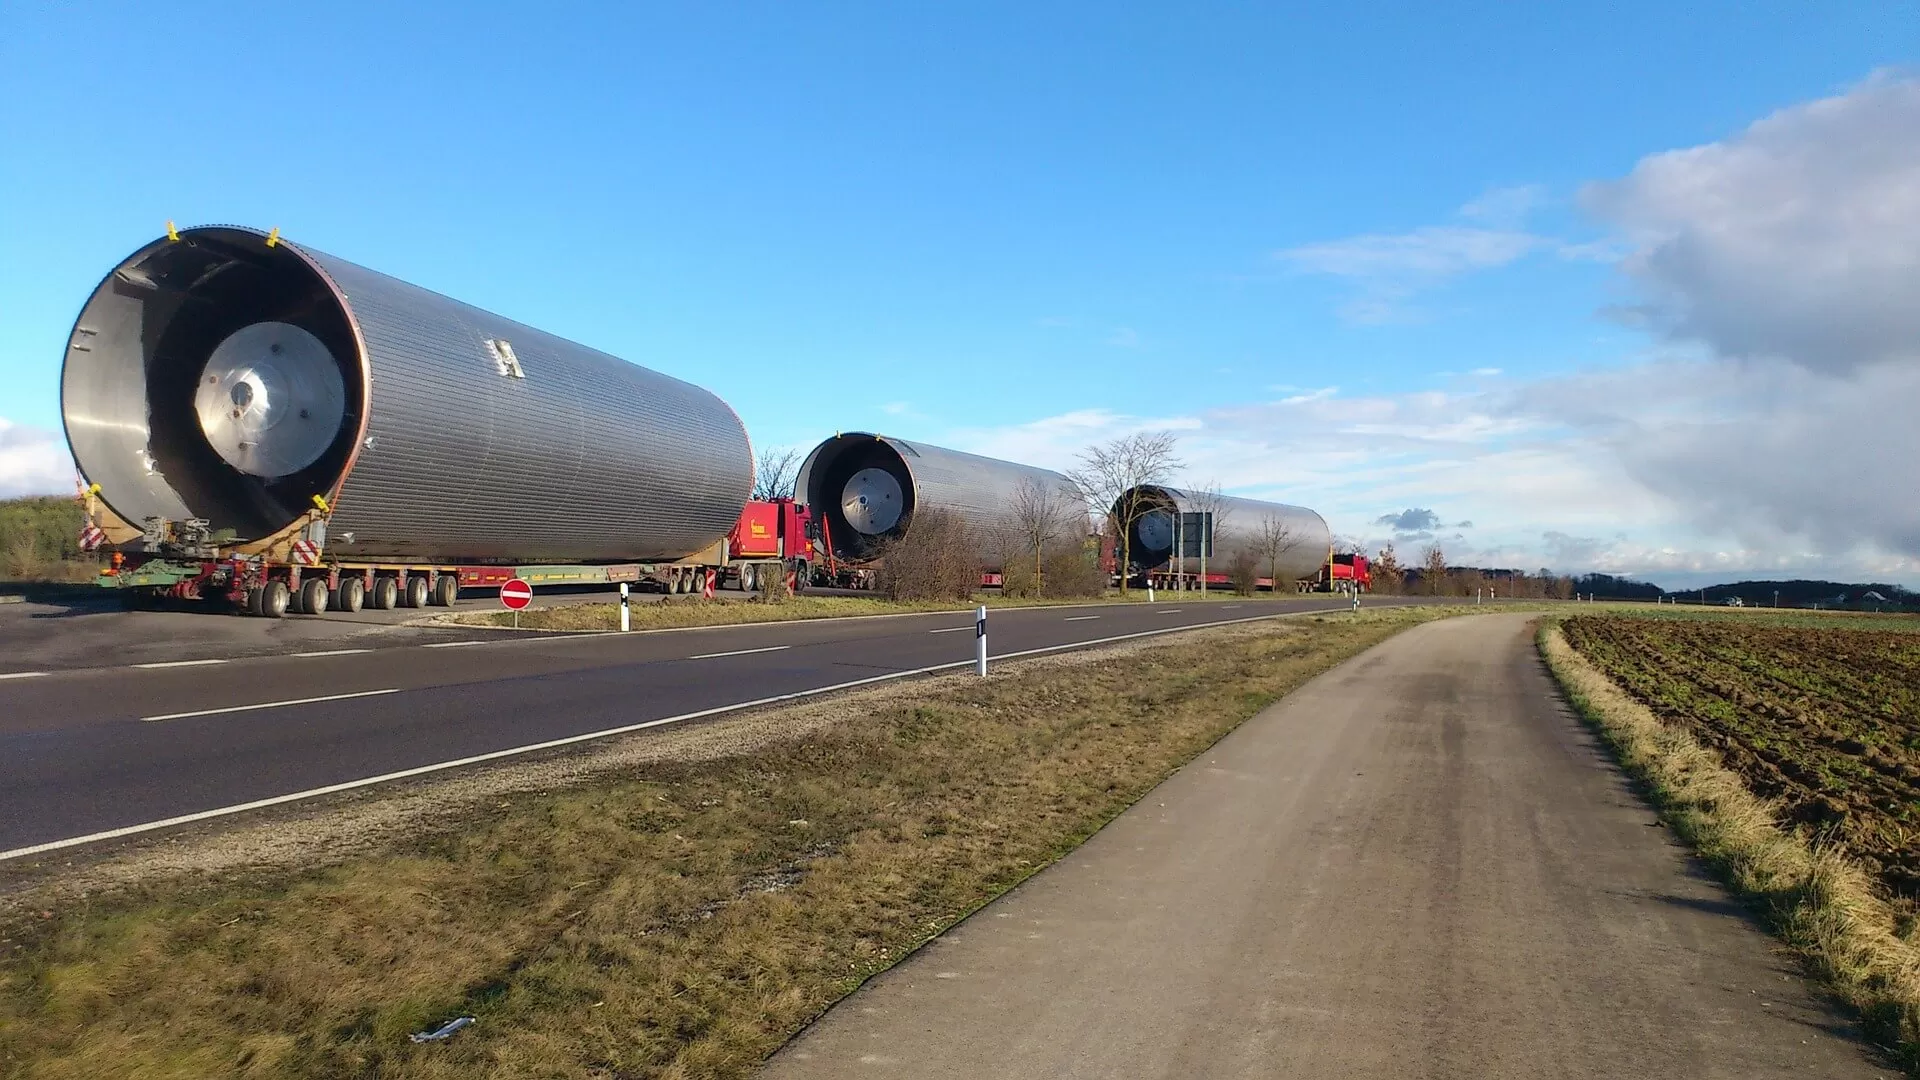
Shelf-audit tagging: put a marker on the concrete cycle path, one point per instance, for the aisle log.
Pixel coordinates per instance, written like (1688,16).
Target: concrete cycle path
(1418,865)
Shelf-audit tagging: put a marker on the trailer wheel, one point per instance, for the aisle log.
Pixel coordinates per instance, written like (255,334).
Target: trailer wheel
(313,596)
(416,594)
(446,589)
(351,594)
(274,599)
(386,592)
(251,605)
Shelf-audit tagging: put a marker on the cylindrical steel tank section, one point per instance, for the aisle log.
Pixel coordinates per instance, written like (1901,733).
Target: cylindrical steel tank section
(1238,523)
(867,488)
(223,377)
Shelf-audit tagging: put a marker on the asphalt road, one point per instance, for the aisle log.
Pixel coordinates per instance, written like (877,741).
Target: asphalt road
(93,750)
(1419,865)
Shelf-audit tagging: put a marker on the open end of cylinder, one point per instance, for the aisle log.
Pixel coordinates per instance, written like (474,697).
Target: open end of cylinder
(862,489)
(1151,536)
(213,377)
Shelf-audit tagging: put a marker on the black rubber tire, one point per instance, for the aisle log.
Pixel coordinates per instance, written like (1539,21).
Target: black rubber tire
(350,596)
(749,578)
(251,605)
(446,589)
(415,595)
(799,580)
(314,595)
(386,592)
(275,598)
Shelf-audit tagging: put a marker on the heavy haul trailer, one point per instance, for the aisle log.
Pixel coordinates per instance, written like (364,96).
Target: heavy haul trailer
(262,421)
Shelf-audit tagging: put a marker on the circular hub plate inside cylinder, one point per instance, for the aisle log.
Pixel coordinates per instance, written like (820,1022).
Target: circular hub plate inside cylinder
(1155,531)
(872,501)
(271,399)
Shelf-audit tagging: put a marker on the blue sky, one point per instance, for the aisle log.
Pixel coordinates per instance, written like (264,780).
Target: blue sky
(1355,259)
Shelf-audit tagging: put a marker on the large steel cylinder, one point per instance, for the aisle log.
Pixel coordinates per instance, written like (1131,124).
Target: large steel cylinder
(229,377)
(1167,522)
(866,490)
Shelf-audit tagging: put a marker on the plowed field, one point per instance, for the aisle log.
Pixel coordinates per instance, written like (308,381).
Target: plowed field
(1824,720)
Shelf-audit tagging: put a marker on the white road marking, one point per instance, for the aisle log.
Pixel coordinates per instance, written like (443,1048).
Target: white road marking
(21,674)
(333,652)
(1170,611)
(1079,618)
(738,652)
(452,644)
(955,629)
(266,705)
(442,766)
(180,663)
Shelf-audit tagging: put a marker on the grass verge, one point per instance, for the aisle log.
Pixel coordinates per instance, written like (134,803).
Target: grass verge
(676,918)
(1818,901)
(674,612)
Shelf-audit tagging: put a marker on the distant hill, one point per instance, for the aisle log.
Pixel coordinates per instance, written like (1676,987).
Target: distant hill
(1803,593)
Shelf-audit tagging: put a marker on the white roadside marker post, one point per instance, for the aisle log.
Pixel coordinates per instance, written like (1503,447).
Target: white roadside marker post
(626,617)
(980,641)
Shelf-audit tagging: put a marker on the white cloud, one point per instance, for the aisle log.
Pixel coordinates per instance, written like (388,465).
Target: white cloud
(1125,337)
(1798,239)
(33,461)
(897,408)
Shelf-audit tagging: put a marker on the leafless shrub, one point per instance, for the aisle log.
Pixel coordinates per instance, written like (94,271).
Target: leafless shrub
(1072,571)
(1433,571)
(1273,540)
(1244,570)
(937,559)
(773,585)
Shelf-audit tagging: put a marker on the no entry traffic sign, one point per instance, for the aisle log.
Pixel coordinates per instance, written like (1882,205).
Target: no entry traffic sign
(516,594)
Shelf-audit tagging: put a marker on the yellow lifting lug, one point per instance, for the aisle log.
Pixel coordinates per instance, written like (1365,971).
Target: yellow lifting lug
(320,503)
(172,233)
(274,236)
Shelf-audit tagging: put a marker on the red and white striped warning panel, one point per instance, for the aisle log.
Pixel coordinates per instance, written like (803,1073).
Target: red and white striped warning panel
(306,552)
(706,584)
(91,537)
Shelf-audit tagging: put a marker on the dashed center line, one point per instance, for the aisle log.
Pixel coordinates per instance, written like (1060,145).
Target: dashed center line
(333,652)
(267,705)
(1079,618)
(1170,611)
(21,674)
(738,652)
(450,644)
(949,629)
(179,663)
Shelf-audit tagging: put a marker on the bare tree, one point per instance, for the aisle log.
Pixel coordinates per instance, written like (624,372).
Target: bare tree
(1434,568)
(1212,508)
(1040,511)
(1273,541)
(774,471)
(1110,476)
(1386,571)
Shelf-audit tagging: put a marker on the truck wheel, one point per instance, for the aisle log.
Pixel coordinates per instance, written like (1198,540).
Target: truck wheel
(313,596)
(351,594)
(416,594)
(386,592)
(251,605)
(274,599)
(749,580)
(446,589)
(799,579)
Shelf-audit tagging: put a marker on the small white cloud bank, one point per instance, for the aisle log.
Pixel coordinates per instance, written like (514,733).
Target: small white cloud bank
(33,461)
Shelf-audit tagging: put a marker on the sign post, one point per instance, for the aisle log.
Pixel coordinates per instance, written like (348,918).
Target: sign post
(518,593)
(625,624)
(980,641)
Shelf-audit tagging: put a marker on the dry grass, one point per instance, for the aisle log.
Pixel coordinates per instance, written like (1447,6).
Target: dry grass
(1814,898)
(677,612)
(668,918)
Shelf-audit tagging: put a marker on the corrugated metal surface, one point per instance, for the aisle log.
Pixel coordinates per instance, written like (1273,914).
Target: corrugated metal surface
(586,458)
(1237,524)
(981,490)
